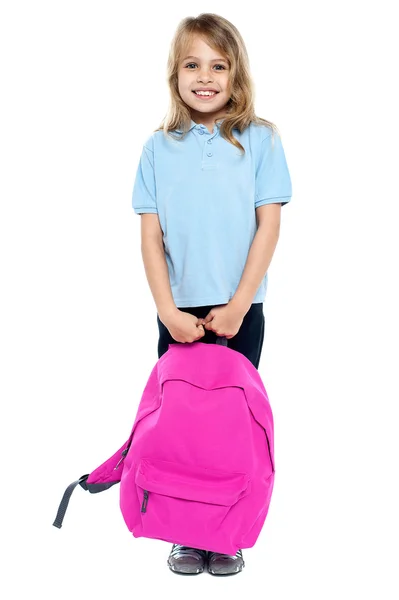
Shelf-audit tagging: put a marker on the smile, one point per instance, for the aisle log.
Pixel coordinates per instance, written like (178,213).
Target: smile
(205,95)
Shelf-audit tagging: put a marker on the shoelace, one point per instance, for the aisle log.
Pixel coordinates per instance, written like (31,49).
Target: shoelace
(238,554)
(178,549)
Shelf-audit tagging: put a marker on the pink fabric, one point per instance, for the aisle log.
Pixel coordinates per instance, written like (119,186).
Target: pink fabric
(202,447)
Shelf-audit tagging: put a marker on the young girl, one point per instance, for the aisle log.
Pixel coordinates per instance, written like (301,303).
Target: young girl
(210,185)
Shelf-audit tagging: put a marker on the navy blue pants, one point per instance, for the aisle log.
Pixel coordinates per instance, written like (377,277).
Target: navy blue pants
(248,340)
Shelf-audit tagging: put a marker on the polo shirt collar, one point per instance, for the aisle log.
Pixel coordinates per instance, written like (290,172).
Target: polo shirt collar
(199,126)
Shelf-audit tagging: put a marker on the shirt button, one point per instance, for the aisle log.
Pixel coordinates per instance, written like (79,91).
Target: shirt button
(209,141)
(201,132)
(209,154)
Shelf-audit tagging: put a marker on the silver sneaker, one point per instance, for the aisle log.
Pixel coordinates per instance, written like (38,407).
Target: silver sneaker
(224,564)
(186,560)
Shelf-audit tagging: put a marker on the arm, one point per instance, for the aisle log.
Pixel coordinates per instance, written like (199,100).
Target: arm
(156,268)
(259,256)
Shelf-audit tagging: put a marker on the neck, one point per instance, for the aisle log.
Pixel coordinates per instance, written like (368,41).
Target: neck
(207,119)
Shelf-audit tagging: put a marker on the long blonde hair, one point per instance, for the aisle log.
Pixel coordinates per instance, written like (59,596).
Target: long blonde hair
(223,36)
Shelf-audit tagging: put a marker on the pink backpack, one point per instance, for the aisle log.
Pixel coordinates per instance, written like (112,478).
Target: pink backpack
(198,466)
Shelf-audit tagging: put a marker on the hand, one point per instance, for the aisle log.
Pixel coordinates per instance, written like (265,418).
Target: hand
(184,327)
(224,320)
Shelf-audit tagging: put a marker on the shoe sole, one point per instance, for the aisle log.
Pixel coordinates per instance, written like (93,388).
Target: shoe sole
(184,572)
(226,574)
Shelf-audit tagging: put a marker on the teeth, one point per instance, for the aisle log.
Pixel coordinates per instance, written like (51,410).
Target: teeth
(205,93)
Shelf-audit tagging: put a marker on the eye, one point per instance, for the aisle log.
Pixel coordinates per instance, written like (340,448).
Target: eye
(223,67)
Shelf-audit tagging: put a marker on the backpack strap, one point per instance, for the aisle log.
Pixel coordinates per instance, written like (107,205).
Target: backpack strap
(221,340)
(93,488)
(65,499)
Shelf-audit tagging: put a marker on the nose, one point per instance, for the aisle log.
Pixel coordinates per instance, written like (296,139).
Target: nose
(204,74)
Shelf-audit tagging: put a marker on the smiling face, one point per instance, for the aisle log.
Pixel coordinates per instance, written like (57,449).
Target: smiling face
(203,67)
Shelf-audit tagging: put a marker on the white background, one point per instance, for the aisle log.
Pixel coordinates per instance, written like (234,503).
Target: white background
(83,85)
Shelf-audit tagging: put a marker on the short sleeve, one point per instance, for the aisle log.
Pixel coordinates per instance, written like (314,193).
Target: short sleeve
(272,180)
(144,191)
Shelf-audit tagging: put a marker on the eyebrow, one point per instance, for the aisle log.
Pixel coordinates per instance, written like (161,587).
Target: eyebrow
(218,59)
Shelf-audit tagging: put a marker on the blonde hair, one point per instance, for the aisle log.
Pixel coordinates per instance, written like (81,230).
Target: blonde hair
(223,36)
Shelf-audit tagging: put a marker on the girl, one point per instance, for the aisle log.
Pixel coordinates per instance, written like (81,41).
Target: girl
(210,185)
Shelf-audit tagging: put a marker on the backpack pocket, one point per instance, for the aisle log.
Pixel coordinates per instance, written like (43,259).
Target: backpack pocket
(186,504)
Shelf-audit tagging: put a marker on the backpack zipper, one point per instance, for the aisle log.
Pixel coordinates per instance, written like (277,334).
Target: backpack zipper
(145,502)
(125,451)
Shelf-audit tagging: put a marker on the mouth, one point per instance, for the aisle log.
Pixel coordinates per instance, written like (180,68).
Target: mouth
(205,95)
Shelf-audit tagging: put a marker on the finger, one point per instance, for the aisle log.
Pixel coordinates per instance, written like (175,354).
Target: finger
(201,332)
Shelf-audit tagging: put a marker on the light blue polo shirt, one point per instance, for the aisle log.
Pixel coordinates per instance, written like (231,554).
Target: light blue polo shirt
(206,194)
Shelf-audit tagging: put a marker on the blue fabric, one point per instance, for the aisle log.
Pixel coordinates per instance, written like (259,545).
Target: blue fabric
(206,194)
